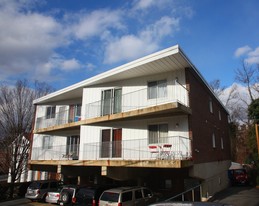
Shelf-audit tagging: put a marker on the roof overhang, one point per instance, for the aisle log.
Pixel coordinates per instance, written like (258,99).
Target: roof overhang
(170,59)
(166,60)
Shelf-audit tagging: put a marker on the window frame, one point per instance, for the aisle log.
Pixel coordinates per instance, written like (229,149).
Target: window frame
(213,140)
(50,112)
(210,105)
(153,89)
(157,133)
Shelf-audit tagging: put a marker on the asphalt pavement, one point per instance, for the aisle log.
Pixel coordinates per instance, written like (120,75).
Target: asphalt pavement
(238,196)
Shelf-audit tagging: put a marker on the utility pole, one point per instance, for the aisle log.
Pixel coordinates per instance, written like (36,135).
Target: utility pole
(257,137)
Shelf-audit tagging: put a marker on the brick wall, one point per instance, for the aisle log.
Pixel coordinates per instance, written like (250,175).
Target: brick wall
(203,123)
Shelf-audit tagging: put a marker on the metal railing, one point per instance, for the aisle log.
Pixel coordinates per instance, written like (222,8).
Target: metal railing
(137,149)
(126,102)
(135,100)
(190,195)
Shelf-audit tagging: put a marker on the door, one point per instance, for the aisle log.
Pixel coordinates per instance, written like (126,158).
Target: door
(105,144)
(106,102)
(117,101)
(116,142)
(111,101)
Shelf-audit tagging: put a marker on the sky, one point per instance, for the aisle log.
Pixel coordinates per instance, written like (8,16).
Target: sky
(62,42)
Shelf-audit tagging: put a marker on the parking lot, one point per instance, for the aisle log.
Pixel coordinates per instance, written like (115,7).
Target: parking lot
(236,196)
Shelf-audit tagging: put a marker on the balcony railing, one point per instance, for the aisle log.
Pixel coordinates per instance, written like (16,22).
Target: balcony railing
(127,102)
(136,100)
(175,147)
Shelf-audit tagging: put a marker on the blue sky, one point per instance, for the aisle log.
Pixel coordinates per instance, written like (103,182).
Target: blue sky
(63,42)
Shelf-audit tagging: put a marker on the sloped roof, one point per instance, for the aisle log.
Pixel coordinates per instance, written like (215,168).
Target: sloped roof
(172,58)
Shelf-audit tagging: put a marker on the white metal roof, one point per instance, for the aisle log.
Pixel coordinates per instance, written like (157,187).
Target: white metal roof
(165,60)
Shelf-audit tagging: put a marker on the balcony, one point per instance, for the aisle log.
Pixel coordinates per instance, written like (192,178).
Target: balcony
(170,151)
(134,105)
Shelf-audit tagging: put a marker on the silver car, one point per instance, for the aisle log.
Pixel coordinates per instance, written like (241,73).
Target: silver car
(37,191)
(52,197)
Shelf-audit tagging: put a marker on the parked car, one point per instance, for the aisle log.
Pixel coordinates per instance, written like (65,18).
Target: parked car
(67,195)
(238,177)
(81,195)
(52,197)
(189,204)
(38,190)
(127,196)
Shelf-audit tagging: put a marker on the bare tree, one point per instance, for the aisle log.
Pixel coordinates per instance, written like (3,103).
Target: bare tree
(249,76)
(16,117)
(216,87)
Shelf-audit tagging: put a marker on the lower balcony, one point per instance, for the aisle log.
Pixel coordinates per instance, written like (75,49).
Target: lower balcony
(175,152)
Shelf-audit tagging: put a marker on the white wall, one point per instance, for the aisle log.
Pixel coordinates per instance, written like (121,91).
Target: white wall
(134,137)
(93,94)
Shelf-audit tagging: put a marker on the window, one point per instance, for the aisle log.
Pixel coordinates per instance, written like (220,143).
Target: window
(213,141)
(157,89)
(47,142)
(126,196)
(222,143)
(147,193)
(138,194)
(158,133)
(51,111)
(210,106)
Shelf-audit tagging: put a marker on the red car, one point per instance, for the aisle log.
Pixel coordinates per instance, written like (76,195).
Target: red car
(238,177)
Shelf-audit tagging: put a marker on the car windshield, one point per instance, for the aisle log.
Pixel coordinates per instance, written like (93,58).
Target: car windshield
(110,197)
(34,185)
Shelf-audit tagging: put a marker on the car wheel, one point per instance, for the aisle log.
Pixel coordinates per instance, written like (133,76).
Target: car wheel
(65,197)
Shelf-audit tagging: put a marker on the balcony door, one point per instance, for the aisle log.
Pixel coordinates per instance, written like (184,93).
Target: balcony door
(111,143)
(74,113)
(111,101)
(72,148)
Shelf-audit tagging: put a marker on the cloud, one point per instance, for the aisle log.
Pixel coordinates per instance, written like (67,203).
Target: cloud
(132,46)
(27,39)
(242,50)
(70,64)
(97,22)
(253,57)
(146,4)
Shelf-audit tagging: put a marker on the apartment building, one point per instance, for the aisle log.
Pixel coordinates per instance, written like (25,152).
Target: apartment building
(153,121)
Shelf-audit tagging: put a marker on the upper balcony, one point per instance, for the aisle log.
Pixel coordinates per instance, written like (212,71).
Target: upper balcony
(139,104)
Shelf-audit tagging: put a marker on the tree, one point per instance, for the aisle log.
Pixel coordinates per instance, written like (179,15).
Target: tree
(16,118)
(249,76)
(253,111)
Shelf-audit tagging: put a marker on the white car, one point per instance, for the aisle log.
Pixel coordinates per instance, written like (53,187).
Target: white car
(137,196)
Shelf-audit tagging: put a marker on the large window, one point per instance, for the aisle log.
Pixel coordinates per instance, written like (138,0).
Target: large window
(157,89)
(51,111)
(158,133)
(47,142)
